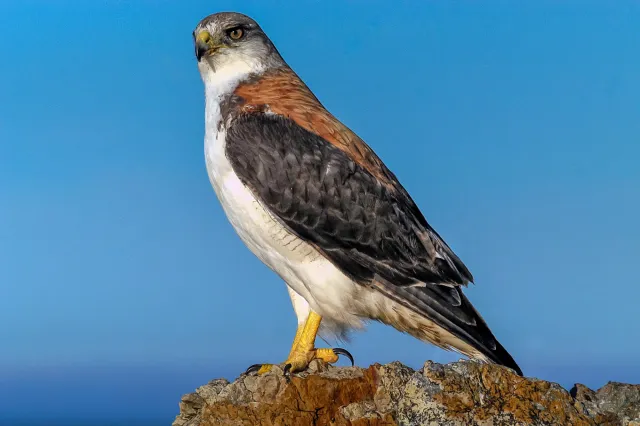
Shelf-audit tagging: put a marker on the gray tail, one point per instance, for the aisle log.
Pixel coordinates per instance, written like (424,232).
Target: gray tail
(450,309)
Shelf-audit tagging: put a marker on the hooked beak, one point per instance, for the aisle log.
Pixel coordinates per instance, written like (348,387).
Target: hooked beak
(205,45)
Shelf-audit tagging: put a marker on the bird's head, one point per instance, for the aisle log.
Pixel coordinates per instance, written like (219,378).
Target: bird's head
(229,45)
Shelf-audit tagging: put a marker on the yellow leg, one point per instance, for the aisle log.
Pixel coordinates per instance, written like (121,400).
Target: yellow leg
(303,350)
(307,339)
(296,339)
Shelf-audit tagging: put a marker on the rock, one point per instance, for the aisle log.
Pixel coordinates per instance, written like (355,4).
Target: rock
(460,393)
(613,404)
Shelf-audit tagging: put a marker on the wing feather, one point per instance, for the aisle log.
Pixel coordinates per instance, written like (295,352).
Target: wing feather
(327,198)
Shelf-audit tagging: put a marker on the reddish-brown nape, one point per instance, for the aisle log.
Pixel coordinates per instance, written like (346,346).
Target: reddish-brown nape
(282,92)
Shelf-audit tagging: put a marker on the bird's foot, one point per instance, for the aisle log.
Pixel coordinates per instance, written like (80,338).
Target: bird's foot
(299,361)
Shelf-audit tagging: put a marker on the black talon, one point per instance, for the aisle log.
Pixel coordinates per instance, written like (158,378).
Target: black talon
(253,368)
(287,372)
(287,369)
(340,351)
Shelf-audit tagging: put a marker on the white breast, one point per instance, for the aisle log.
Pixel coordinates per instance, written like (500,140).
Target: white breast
(327,290)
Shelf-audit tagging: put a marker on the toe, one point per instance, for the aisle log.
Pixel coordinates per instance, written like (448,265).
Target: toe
(259,369)
(253,369)
(300,361)
(327,355)
(331,355)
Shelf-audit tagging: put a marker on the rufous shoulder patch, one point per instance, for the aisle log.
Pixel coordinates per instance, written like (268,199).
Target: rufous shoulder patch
(282,92)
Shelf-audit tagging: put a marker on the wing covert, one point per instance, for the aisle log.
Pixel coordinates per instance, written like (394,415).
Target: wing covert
(364,226)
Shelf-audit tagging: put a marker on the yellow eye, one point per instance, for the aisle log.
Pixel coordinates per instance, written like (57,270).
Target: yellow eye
(236,33)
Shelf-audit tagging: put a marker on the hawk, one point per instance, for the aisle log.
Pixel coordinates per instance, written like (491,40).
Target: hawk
(314,203)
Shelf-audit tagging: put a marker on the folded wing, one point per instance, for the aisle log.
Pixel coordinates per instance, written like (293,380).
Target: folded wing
(370,229)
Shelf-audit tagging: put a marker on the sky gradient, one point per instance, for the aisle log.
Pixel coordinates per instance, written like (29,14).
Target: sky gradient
(122,285)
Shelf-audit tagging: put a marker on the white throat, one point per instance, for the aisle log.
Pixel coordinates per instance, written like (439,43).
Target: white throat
(220,84)
(221,79)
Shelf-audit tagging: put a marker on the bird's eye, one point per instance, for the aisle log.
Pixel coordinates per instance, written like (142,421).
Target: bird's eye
(235,33)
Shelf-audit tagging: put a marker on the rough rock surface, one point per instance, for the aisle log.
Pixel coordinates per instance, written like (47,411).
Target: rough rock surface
(460,393)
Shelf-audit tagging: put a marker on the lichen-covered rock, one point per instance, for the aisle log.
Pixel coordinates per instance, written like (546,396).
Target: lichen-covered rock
(460,393)
(613,404)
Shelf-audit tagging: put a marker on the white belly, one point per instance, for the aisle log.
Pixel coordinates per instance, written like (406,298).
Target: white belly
(328,291)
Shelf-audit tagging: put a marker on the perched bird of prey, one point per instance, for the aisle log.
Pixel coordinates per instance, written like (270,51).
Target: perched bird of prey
(314,203)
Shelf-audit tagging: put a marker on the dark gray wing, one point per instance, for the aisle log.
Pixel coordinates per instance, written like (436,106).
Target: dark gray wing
(373,232)
(364,226)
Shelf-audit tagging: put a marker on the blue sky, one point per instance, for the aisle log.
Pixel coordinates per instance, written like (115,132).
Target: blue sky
(514,127)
